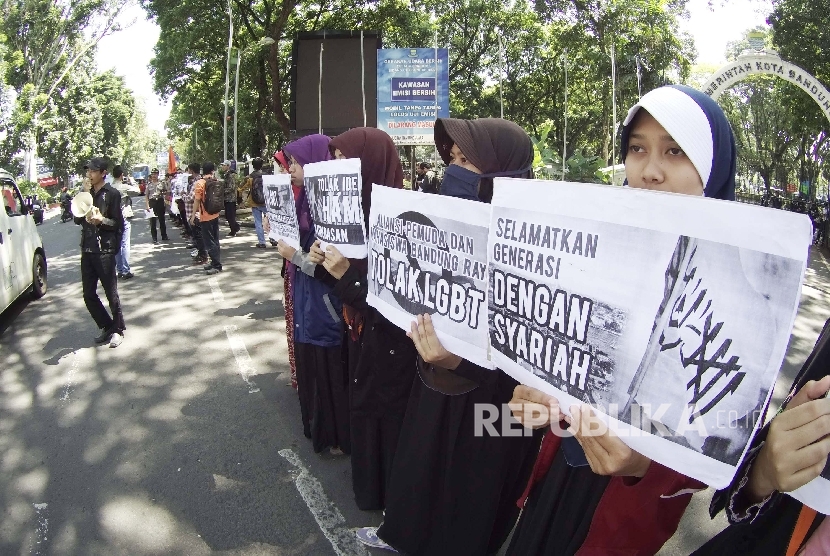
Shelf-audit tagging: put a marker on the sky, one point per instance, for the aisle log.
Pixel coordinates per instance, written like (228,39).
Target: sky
(129,51)
(713,27)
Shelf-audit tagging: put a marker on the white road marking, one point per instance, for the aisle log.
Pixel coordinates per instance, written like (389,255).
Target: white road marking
(218,296)
(70,378)
(326,514)
(42,528)
(243,361)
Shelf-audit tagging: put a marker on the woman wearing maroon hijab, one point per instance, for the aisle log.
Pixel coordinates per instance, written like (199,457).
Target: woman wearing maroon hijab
(318,325)
(381,357)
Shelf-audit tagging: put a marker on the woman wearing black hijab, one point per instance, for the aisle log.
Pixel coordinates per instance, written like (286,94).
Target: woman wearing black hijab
(452,491)
(381,359)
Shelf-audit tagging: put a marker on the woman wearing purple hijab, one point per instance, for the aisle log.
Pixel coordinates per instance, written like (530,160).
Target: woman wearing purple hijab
(322,381)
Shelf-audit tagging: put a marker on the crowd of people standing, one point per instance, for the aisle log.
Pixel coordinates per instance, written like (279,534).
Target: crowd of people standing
(403,407)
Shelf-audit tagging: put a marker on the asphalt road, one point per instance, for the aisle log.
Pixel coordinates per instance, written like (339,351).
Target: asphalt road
(187,439)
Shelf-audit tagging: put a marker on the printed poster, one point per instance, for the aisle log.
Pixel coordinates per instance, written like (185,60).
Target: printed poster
(669,314)
(282,212)
(816,493)
(334,196)
(413,91)
(428,255)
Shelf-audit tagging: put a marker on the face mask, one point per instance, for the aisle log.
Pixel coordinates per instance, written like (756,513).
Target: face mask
(460,182)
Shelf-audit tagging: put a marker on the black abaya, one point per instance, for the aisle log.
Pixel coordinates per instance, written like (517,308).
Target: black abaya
(559,511)
(453,492)
(381,370)
(321,382)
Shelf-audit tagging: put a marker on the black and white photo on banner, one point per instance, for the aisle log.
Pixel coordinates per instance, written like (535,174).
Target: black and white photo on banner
(428,255)
(281,209)
(669,315)
(334,198)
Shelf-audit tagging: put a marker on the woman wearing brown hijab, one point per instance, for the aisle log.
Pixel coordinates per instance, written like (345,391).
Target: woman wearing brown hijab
(381,358)
(453,491)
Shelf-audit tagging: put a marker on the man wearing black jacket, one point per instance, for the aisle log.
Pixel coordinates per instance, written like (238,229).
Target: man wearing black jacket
(101,231)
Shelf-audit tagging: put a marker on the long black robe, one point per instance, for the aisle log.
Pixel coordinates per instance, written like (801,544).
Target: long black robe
(381,369)
(324,396)
(453,492)
(559,511)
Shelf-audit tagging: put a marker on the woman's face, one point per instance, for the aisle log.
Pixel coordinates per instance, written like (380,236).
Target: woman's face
(338,155)
(457,157)
(296,172)
(655,161)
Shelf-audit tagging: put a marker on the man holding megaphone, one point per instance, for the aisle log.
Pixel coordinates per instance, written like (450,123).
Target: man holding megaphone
(98,211)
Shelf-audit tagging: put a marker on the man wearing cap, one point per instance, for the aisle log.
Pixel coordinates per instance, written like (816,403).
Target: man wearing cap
(229,173)
(154,195)
(101,230)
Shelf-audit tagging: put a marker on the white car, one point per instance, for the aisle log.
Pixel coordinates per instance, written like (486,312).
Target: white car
(22,257)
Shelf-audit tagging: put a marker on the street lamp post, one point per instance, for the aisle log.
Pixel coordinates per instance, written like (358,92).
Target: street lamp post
(227,80)
(262,43)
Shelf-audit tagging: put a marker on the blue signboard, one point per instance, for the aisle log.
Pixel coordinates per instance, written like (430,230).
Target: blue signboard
(408,99)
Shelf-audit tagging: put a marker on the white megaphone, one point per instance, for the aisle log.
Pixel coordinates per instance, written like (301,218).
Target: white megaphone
(81,204)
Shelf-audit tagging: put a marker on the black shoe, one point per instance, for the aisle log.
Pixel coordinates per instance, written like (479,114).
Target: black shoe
(128,276)
(104,337)
(232,234)
(120,276)
(155,242)
(261,246)
(165,239)
(213,270)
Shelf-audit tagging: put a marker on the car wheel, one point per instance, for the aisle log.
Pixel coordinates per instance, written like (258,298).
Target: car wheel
(39,284)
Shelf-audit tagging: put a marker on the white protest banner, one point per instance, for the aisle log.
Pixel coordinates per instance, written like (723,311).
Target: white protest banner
(816,493)
(428,254)
(282,212)
(334,196)
(179,186)
(669,314)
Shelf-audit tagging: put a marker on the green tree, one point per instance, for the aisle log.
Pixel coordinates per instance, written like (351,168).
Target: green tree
(117,107)
(45,42)
(649,51)
(779,130)
(801,34)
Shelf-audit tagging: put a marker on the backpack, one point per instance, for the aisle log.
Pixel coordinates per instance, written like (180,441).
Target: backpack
(257,193)
(214,196)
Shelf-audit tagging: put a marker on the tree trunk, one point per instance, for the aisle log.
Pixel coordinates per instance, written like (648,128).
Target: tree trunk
(31,151)
(766,177)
